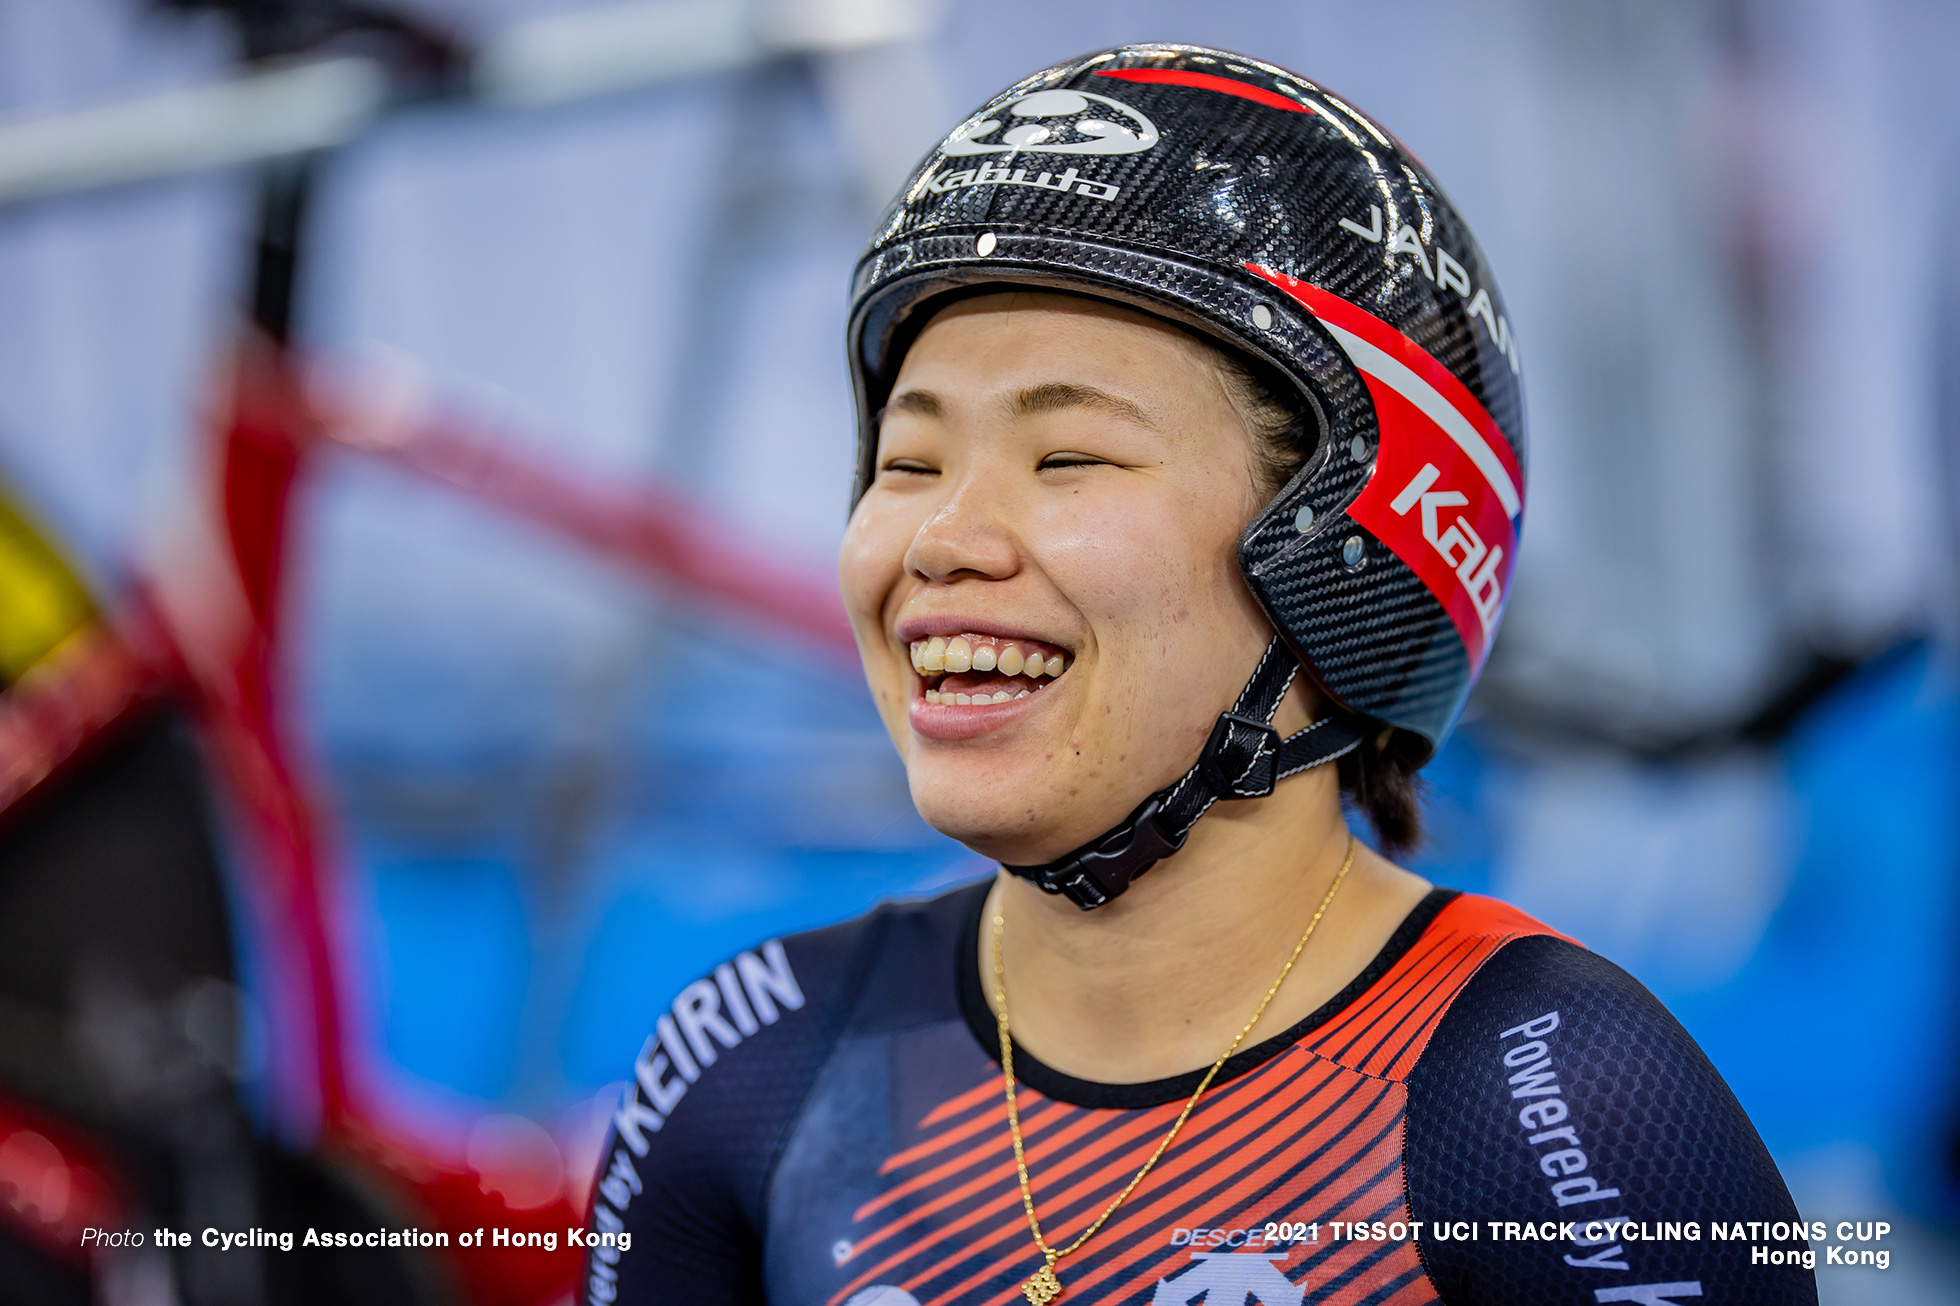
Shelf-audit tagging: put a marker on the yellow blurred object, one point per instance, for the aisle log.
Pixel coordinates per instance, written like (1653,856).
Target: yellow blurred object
(42,602)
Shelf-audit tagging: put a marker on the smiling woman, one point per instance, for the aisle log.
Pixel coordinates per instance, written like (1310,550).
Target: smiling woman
(1062,480)
(1169,532)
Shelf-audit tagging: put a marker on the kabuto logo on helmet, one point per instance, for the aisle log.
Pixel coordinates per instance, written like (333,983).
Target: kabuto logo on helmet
(1045,122)
(1056,122)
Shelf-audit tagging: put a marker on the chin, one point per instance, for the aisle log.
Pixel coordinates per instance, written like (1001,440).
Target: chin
(986,823)
(1004,823)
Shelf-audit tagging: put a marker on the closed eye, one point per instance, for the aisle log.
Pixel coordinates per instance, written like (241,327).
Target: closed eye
(1060,460)
(909,467)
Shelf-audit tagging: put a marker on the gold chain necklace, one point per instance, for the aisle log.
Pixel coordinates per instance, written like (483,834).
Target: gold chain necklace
(1044,1287)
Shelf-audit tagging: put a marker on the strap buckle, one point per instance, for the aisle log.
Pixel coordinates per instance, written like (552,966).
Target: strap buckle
(1104,869)
(1241,759)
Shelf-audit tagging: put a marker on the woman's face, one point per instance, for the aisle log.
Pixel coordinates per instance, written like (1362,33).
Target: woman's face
(1042,574)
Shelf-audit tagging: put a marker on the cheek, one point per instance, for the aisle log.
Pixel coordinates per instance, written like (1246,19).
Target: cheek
(1147,562)
(870,562)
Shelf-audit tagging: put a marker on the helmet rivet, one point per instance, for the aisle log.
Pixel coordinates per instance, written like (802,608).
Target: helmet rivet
(1353,551)
(1262,317)
(1303,519)
(1358,448)
(985,245)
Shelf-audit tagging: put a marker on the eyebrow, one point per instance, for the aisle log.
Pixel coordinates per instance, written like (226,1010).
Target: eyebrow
(1049,397)
(1057,395)
(922,402)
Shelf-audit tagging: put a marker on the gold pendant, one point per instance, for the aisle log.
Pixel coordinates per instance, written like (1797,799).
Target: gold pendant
(1044,1287)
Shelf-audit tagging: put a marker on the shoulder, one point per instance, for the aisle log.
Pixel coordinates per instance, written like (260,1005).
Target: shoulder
(771,1013)
(1539,994)
(719,1082)
(1555,1091)
(1385,1018)
(1546,1029)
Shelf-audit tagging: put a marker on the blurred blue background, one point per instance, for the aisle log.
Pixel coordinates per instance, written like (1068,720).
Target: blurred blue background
(1720,739)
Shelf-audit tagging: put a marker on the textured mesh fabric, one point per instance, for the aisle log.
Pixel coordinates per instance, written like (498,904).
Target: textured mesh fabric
(1640,1112)
(686,1166)
(848,1147)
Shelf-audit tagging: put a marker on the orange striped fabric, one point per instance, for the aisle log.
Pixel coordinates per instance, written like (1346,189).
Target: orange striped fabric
(1311,1136)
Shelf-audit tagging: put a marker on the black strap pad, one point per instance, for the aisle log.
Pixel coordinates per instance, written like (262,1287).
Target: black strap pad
(1244,758)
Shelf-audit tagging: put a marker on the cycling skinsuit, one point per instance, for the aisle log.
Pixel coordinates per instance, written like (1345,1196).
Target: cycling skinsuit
(1502,1117)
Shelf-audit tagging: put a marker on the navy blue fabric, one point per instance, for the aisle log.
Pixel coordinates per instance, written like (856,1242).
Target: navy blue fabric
(1554,1043)
(695,1201)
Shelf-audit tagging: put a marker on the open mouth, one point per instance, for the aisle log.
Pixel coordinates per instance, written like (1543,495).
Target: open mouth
(970,670)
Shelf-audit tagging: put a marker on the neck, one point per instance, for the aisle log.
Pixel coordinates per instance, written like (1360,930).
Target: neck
(1156,983)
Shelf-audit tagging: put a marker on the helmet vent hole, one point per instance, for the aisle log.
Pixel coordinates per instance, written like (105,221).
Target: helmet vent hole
(1303,519)
(1262,317)
(985,245)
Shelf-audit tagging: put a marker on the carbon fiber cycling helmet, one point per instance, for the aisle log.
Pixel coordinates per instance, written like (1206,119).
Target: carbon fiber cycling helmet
(1255,208)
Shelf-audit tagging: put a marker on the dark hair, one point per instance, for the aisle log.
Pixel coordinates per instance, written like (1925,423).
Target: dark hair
(1378,778)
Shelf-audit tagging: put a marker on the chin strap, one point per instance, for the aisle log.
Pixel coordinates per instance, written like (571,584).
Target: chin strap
(1244,758)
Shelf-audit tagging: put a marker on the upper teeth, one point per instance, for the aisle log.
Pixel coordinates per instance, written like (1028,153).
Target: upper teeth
(932,656)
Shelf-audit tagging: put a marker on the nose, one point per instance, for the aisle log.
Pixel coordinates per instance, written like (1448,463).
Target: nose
(965,538)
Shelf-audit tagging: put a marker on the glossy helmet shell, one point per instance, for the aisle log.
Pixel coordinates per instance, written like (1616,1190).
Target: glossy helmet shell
(1254,207)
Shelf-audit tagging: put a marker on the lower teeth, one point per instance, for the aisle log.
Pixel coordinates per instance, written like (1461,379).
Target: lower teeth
(969,700)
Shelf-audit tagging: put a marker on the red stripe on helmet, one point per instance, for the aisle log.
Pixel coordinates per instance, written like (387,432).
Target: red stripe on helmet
(1209,82)
(1334,310)
(1446,494)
